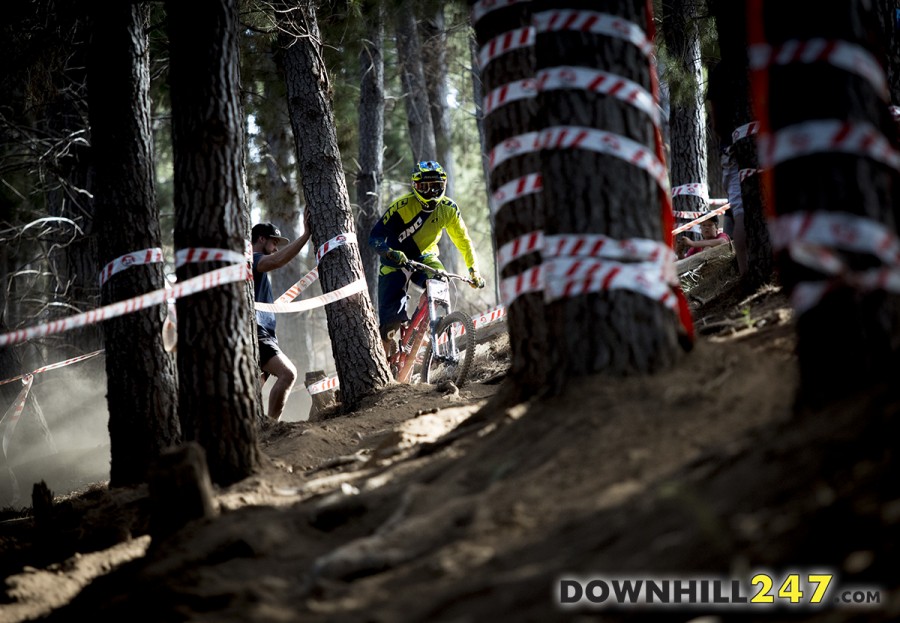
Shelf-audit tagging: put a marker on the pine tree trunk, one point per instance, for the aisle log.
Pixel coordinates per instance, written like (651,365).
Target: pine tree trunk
(616,331)
(371,140)
(358,354)
(434,63)
(283,206)
(141,390)
(415,90)
(730,24)
(846,339)
(524,214)
(687,120)
(218,372)
(888,13)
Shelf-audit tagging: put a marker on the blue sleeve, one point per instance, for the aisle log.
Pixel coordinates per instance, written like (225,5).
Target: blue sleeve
(378,239)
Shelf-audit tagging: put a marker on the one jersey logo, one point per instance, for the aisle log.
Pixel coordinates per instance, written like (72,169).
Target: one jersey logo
(409,231)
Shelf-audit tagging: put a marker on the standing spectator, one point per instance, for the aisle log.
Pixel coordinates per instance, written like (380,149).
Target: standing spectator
(721,103)
(266,238)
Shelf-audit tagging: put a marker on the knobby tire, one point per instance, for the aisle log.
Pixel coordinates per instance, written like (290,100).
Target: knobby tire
(465,344)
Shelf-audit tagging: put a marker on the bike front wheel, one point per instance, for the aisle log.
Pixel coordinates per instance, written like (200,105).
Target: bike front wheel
(449,356)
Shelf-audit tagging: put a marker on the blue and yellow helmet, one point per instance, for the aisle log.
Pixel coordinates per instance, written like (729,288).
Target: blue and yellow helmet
(429,182)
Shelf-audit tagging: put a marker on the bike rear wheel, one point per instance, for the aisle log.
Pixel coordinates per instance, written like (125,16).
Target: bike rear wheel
(451,358)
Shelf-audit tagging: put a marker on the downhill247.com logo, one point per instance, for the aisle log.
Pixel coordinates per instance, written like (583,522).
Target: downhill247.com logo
(812,589)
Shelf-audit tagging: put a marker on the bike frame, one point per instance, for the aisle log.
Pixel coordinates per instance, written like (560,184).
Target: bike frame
(434,305)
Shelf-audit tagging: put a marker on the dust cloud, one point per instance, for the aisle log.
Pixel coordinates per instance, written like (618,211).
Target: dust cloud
(75,453)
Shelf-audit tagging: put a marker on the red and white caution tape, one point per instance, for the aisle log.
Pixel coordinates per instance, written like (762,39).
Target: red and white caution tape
(813,239)
(490,316)
(517,188)
(324,385)
(571,137)
(705,217)
(718,202)
(506,42)
(485,318)
(695,189)
(309,278)
(512,147)
(145,256)
(844,55)
(206,281)
(523,245)
(602,246)
(827,136)
(748,129)
(483,7)
(687,215)
(11,417)
(595,23)
(508,93)
(294,291)
(745,173)
(601,275)
(319,301)
(531,280)
(836,230)
(596,81)
(338,241)
(203,254)
(54,366)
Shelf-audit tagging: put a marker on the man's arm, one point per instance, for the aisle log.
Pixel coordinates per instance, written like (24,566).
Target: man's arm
(459,234)
(285,255)
(705,244)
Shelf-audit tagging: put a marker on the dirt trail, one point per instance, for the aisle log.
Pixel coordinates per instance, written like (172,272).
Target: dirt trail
(700,470)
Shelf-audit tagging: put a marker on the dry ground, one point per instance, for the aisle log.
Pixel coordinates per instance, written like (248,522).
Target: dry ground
(382,516)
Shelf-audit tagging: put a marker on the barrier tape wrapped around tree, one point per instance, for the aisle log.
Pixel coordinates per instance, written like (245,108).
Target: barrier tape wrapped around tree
(573,137)
(309,278)
(146,256)
(816,240)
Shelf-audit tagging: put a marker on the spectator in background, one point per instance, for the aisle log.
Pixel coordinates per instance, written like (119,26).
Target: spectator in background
(710,237)
(721,100)
(267,256)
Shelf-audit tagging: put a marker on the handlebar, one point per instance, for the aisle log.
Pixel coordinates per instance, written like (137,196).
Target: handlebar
(440,274)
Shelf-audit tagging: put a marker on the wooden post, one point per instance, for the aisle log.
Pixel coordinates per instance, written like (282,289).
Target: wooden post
(321,401)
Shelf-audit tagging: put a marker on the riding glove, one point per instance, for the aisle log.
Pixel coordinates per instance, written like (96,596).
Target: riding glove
(396,256)
(477,281)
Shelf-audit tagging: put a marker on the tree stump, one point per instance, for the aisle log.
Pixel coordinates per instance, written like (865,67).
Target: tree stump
(180,490)
(322,401)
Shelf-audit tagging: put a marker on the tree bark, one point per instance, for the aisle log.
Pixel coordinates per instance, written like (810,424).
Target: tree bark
(523,214)
(434,64)
(615,331)
(371,140)
(847,339)
(687,120)
(218,373)
(280,192)
(358,354)
(730,24)
(888,13)
(141,390)
(412,77)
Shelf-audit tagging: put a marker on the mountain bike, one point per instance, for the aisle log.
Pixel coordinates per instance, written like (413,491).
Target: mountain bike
(451,334)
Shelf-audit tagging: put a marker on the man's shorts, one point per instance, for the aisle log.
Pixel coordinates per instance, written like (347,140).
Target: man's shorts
(392,297)
(268,345)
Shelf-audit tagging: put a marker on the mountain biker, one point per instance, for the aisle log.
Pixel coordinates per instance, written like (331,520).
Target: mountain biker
(410,230)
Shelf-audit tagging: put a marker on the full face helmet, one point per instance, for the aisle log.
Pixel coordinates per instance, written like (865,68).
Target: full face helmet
(429,181)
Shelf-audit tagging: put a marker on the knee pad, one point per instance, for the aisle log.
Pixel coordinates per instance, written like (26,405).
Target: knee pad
(389,331)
